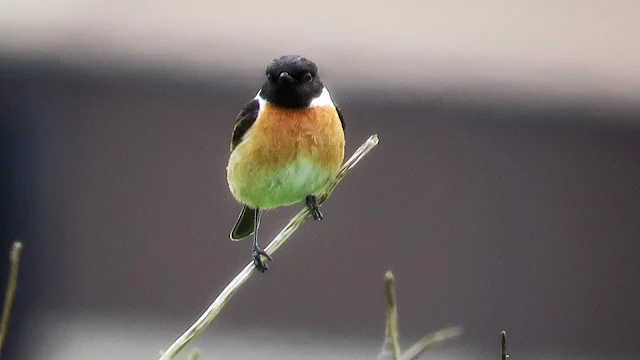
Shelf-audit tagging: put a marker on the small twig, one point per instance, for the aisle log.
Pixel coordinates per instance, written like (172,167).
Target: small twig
(14,263)
(504,354)
(430,341)
(194,355)
(210,314)
(391,345)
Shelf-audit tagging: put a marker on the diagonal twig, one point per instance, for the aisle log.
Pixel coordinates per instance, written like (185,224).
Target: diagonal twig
(214,309)
(14,264)
(430,341)
(391,348)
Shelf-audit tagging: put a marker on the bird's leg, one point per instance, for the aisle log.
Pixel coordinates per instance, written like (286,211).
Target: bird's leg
(312,204)
(259,256)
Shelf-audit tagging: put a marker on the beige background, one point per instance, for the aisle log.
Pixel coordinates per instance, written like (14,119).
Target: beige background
(579,48)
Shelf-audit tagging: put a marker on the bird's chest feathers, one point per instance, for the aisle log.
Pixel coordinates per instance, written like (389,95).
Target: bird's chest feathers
(282,137)
(286,155)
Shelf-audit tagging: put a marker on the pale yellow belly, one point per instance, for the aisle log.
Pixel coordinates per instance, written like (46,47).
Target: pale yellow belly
(264,187)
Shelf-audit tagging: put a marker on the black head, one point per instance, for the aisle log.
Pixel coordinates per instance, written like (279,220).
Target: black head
(292,81)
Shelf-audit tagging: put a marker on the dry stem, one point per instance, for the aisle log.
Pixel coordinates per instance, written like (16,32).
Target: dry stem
(14,263)
(430,341)
(391,347)
(210,314)
(391,344)
(503,343)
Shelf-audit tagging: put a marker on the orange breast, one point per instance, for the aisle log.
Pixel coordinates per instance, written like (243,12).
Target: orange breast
(280,135)
(286,155)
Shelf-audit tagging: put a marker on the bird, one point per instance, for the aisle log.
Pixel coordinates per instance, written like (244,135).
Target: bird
(287,143)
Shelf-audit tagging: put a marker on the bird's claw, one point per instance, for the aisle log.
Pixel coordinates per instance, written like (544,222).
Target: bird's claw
(312,204)
(260,258)
(317,215)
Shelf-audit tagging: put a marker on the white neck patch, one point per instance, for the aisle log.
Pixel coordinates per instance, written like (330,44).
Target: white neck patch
(324,99)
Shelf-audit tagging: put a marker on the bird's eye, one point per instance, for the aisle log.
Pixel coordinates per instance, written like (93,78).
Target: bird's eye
(307,77)
(271,78)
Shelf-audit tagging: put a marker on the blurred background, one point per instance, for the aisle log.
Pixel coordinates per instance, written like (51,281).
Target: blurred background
(504,194)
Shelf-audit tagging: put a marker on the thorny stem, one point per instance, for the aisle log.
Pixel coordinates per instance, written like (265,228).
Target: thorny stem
(14,263)
(214,309)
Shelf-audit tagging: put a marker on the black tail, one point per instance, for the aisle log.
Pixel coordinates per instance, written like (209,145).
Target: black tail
(245,224)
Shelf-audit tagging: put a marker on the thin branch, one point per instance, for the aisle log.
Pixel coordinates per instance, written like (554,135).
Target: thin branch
(14,264)
(430,341)
(210,314)
(503,352)
(391,346)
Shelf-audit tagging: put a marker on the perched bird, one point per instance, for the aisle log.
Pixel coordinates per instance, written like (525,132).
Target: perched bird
(287,143)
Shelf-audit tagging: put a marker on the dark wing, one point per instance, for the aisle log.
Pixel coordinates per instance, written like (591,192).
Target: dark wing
(340,115)
(245,119)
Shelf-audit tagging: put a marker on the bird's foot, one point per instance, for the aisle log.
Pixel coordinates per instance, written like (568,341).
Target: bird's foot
(260,258)
(312,204)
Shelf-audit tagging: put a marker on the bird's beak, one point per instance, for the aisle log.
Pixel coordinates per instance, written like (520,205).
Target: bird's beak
(285,76)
